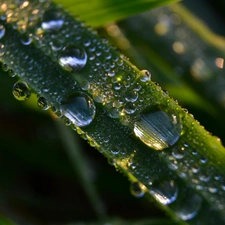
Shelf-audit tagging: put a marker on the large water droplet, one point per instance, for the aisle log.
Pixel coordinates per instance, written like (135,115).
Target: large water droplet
(157,129)
(21,91)
(165,192)
(79,108)
(2,31)
(189,208)
(72,58)
(137,189)
(52,21)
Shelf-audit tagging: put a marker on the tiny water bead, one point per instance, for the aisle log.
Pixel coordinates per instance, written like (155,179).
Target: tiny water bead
(42,103)
(165,192)
(21,91)
(137,189)
(157,129)
(2,31)
(52,21)
(79,108)
(72,58)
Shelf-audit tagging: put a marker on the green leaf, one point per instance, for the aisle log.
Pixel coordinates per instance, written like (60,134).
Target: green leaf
(99,12)
(113,105)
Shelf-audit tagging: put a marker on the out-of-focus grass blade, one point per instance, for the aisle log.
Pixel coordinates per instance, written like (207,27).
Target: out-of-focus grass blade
(79,162)
(99,12)
(5,221)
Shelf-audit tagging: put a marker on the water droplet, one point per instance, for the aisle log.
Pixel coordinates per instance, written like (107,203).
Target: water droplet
(52,21)
(213,190)
(21,91)
(178,153)
(129,108)
(136,189)
(157,129)
(79,108)
(204,177)
(189,207)
(131,96)
(144,75)
(2,31)
(25,40)
(165,192)
(11,73)
(67,122)
(2,49)
(5,67)
(111,162)
(72,58)
(42,103)
(114,112)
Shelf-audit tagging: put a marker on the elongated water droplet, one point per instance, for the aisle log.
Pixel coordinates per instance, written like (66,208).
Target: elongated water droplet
(42,103)
(157,129)
(72,58)
(52,21)
(79,108)
(189,207)
(2,31)
(137,190)
(21,91)
(165,192)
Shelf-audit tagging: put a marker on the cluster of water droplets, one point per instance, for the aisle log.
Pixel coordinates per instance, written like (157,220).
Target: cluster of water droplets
(196,169)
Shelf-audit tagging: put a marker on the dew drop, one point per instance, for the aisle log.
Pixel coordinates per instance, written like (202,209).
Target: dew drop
(42,103)
(5,67)
(189,207)
(178,153)
(11,73)
(79,108)
(2,31)
(165,192)
(2,49)
(131,96)
(157,129)
(21,91)
(213,190)
(25,40)
(72,58)
(114,112)
(204,177)
(129,108)
(136,189)
(144,75)
(111,162)
(52,21)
